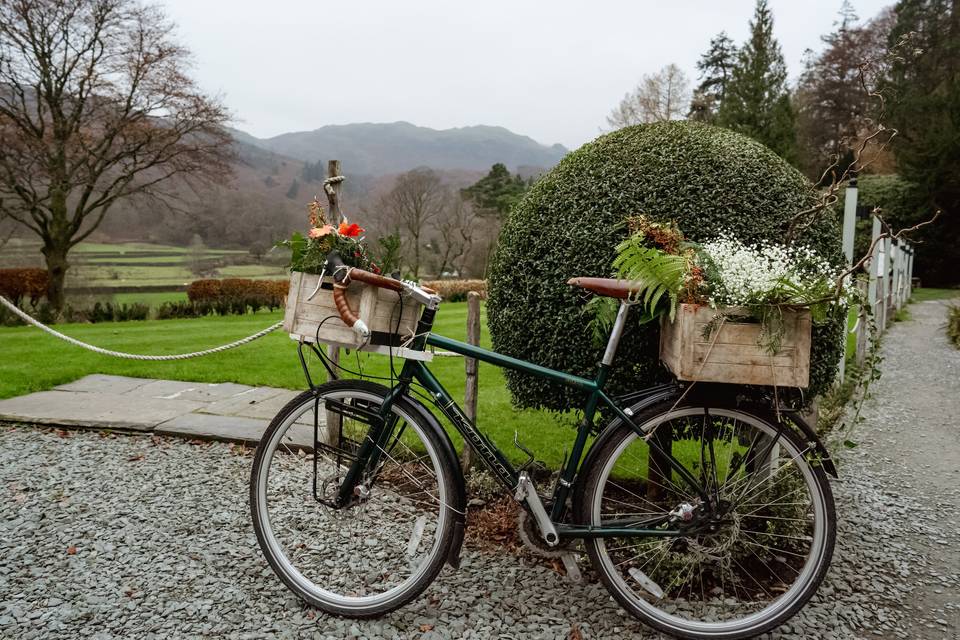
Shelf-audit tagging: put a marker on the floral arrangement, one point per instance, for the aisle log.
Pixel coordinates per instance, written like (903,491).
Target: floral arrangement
(309,253)
(763,279)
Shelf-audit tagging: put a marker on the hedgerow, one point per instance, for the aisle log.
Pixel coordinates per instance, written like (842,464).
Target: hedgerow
(705,178)
(20,284)
(233,295)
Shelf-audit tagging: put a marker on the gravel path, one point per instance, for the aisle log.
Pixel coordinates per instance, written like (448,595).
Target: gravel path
(106,536)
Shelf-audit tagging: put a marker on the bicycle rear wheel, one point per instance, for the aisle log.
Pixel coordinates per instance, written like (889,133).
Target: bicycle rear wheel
(382,550)
(747,558)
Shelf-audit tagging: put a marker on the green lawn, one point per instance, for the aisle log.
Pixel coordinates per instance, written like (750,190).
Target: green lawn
(33,361)
(925,294)
(152,298)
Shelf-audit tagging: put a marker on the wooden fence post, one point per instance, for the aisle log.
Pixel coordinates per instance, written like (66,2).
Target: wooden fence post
(472,371)
(332,190)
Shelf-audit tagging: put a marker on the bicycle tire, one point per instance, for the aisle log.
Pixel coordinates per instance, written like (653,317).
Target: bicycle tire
(585,506)
(448,468)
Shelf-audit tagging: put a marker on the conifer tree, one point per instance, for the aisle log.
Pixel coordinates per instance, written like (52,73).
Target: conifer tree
(715,67)
(497,192)
(924,106)
(757,100)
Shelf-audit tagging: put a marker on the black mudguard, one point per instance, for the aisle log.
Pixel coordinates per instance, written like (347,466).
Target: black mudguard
(720,396)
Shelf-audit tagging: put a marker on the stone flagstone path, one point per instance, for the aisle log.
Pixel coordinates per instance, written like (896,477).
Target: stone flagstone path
(224,411)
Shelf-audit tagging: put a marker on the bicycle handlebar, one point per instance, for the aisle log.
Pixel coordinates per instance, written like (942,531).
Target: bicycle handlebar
(342,277)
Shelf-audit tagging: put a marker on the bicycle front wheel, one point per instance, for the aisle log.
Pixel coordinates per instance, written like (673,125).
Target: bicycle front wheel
(740,561)
(383,549)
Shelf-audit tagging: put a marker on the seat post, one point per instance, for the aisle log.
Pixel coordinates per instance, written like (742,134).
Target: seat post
(616,333)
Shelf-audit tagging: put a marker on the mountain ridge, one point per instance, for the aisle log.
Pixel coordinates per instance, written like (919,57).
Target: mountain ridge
(379,148)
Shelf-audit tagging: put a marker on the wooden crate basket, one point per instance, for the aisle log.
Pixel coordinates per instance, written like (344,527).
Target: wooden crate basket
(307,307)
(734,355)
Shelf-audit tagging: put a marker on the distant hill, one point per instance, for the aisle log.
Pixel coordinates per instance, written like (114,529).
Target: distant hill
(380,149)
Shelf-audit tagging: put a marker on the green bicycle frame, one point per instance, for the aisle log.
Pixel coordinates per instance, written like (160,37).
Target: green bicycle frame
(492,457)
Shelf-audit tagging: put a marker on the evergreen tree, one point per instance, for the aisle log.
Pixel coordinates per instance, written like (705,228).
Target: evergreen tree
(757,100)
(496,192)
(294,189)
(313,172)
(924,107)
(715,67)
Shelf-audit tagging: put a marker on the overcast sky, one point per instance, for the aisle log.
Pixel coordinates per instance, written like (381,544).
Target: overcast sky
(551,70)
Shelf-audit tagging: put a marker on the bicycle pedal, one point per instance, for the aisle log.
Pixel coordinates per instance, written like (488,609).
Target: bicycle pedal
(572,568)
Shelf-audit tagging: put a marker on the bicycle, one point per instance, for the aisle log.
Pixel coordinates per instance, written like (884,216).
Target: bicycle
(705,510)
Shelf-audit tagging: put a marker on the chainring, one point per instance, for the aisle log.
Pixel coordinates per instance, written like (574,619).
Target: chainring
(530,536)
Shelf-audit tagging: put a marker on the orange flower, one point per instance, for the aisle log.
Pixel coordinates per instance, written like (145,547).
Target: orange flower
(350,230)
(319,232)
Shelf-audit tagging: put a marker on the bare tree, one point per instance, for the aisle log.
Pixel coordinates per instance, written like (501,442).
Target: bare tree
(7,228)
(455,235)
(96,105)
(415,202)
(660,96)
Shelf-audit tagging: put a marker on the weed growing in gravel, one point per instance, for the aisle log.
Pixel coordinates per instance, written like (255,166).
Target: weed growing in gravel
(953,324)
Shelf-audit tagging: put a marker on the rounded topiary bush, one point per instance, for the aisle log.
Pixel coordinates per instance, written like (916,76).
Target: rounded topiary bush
(705,178)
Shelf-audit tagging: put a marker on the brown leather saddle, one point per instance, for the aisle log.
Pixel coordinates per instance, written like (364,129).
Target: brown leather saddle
(610,287)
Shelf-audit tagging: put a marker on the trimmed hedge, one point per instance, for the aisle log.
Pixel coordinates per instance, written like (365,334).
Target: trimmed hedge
(705,178)
(235,295)
(894,195)
(17,284)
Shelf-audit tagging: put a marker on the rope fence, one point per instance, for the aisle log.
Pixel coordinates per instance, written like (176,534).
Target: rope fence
(134,356)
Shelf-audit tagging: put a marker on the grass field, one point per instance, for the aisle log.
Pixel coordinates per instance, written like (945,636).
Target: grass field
(33,361)
(128,264)
(152,298)
(926,294)
(98,275)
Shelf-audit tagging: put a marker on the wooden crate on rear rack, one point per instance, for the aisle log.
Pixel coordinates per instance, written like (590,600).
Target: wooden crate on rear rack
(311,316)
(734,355)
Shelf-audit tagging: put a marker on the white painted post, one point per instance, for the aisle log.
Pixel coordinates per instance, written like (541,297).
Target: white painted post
(874,292)
(887,282)
(895,256)
(849,230)
(910,272)
(850,219)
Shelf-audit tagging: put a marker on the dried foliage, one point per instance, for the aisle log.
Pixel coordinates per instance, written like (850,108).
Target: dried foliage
(19,284)
(457,290)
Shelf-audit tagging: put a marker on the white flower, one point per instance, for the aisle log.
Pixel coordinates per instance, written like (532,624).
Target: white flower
(743,274)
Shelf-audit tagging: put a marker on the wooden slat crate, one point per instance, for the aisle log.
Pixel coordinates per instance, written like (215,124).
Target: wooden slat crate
(377,307)
(735,355)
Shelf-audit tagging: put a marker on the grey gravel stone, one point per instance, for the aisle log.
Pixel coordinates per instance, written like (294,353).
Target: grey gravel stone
(165,548)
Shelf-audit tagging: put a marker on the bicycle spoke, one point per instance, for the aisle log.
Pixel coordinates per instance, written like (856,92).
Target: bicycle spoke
(740,552)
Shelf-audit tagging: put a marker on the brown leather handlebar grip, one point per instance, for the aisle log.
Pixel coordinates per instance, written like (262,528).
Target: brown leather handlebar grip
(373,279)
(343,307)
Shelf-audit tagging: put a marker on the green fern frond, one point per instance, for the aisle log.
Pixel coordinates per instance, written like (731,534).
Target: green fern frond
(602,312)
(656,273)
